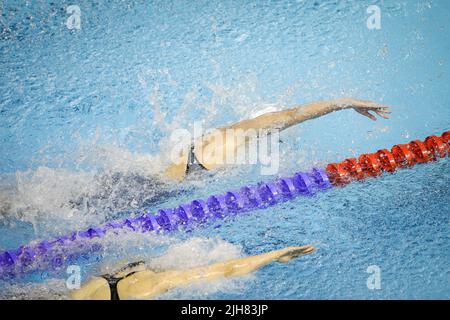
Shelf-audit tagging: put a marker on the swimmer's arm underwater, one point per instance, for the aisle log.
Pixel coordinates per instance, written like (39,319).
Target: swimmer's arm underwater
(243,266)
(148,284)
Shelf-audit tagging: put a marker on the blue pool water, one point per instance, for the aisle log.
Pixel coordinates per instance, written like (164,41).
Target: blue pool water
(86,116)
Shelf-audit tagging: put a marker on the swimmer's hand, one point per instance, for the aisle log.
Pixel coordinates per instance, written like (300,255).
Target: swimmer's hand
(363,107)
(290,253)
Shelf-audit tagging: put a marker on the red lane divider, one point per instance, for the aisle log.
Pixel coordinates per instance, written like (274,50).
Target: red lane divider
(446,136)
(400,156)
(387,160)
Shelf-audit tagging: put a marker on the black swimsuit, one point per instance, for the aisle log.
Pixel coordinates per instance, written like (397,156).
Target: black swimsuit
(113,281)
(193,164)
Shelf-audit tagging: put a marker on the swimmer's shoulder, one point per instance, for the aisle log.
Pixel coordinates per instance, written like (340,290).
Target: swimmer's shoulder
(95,289)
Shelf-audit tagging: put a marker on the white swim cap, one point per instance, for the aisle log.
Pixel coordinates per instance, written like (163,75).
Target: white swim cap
(259,112)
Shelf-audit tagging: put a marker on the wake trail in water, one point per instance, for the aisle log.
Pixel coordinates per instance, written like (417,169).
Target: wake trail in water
(52,198)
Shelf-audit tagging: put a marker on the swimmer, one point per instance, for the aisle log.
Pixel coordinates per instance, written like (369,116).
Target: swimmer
(115,192)
(189,160)
(136,282)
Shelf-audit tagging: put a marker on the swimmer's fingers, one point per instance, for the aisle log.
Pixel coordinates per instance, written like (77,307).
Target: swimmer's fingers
(368,105)
(383,114)
(303,250)
(362,104)
(366,114)
(294,252)
(381,111)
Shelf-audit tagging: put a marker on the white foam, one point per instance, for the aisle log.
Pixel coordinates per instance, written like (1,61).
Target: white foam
(52,199)
(196,252)
(54,289)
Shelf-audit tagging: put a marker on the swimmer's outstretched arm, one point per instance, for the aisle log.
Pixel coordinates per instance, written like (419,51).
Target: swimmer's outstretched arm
(286,118)
(149,285)
(243,266)
(210,149)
